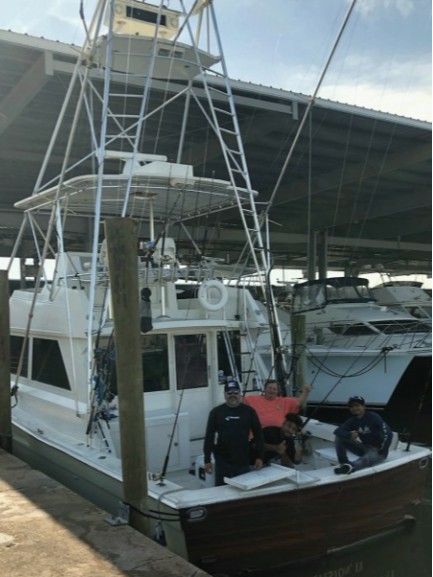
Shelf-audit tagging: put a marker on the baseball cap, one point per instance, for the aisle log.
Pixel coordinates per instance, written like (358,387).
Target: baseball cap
(232,387)
(356,399)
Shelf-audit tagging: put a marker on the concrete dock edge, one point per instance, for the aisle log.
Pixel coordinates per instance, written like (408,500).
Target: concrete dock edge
(46,530)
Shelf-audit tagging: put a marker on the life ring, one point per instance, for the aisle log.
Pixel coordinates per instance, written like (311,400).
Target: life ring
(206,295)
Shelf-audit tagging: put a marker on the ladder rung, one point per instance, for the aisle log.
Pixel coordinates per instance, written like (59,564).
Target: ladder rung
(124,116)
(123,95)
(227,131)
(227,112)
(217,90)
(214,72)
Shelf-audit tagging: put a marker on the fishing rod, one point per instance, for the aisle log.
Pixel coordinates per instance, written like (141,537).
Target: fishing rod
(176,418)
(280,369)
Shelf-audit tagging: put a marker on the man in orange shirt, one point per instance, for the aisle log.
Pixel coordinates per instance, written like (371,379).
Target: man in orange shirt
(271,408)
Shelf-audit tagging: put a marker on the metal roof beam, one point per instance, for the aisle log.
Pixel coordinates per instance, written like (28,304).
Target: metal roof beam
(355,173)
(251,131)
(366,211)
(281,238)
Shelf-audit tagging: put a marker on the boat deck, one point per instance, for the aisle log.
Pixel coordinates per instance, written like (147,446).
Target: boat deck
(318,467)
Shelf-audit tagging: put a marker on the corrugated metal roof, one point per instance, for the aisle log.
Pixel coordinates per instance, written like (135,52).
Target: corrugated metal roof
(363,176)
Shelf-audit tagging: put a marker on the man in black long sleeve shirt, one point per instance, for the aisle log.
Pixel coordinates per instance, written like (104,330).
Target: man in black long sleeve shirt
(232,423)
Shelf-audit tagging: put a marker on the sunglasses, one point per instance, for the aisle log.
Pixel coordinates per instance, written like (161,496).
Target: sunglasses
(232,393)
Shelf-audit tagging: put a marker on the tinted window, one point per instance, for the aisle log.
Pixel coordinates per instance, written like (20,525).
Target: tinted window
(48,366)
(155,363)
(191,361)
(16,346)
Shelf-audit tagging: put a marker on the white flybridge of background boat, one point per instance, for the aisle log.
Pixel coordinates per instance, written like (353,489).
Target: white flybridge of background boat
(408,296)
(353,343)
(196,328)
(343,311)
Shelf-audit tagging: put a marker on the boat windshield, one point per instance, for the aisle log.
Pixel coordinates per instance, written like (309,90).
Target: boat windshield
(317,294)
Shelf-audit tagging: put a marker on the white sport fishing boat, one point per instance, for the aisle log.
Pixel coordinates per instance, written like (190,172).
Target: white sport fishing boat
(354,343)
(64,345)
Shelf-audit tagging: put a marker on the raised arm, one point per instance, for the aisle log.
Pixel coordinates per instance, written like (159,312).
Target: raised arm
(302,399)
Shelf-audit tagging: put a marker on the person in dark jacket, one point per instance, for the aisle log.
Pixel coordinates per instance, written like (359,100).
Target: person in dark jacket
(365,434)
(231,424)
(282,444)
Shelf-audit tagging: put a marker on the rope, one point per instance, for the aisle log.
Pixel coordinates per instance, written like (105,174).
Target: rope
(370,365)
(316,409)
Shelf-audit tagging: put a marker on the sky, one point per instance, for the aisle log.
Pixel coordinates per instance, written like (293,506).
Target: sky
(383,61)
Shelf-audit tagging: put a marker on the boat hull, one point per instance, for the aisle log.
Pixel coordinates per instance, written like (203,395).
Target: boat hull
(282,529)
(103,490)
(408,410)
(257,532)
(342,374)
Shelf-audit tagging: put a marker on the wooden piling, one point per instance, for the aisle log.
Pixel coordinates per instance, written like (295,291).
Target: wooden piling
(121,236)
(5,366)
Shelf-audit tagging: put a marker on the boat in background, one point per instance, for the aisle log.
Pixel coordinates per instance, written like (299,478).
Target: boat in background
(408,296)
(63,335)
(354,344)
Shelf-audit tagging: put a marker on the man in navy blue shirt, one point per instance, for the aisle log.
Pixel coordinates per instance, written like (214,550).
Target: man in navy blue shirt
(227,436)
(365,434)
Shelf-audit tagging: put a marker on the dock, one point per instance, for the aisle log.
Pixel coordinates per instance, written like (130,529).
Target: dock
(46,530)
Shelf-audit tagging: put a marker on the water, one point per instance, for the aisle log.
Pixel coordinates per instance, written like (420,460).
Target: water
(405,553)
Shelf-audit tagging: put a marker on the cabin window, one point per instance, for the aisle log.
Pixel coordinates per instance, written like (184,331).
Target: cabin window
(155,363)
(16,346)
(351,329)
(191,361)
(146,15)
(401,327)
(47,363)
(224,365)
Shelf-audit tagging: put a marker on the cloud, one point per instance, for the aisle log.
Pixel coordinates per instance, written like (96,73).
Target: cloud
(367,8)
(414,104)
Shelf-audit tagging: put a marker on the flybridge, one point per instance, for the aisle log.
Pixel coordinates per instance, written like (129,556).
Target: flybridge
(132,17)
(131,49)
